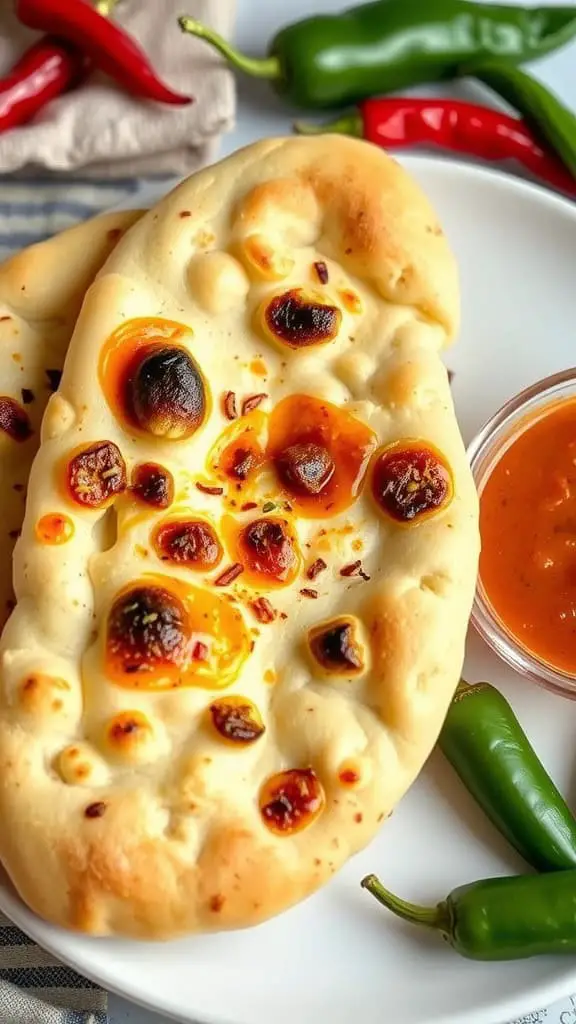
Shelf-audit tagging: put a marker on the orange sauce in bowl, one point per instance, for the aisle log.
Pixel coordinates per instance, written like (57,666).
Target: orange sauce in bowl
(528,530)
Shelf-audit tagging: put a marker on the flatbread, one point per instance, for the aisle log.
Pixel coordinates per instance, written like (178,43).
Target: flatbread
(41,291)
(218,685)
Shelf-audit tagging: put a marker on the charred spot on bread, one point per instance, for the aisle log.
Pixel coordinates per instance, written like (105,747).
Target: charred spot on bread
(153,485)
(242,463)
(163,633)
(165,392)
(237,455)
(411,480)
(236,719)
(305,468)
(95,810)
(298,320)
(96,474)
(14,420)
(268,548)
(242,457)
(54,378)
(291,800)
(320,453)
(335,648)
(126,724)
(189,542)
(147,626)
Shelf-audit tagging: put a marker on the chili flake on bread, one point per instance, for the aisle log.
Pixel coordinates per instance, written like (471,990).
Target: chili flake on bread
(193,736)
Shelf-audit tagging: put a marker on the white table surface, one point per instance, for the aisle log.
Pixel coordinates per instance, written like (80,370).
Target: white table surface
(260,114)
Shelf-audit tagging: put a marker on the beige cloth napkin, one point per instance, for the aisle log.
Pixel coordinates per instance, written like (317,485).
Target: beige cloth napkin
(100,130)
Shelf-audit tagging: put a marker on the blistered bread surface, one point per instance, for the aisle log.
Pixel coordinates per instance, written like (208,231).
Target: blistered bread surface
(232,661)
(41,291)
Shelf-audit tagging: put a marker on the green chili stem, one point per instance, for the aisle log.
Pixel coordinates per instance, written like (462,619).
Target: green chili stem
(350,124)
(263,67)
(430,917)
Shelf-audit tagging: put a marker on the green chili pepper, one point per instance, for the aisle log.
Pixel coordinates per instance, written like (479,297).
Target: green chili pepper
(331,59)
(498,918)
(484,742)
(540,108)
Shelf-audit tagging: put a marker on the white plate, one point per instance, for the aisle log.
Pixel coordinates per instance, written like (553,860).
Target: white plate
(339,957)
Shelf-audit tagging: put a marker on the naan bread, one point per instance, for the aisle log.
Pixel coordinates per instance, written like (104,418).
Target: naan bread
(221,680)
(41,291)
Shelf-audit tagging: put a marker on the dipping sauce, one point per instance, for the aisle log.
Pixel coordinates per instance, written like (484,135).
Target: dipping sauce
(528,529)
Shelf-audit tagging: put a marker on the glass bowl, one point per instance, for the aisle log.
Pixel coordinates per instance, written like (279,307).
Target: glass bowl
(484,452)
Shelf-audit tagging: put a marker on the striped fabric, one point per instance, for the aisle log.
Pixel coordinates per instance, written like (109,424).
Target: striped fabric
(37,989)
(32,210)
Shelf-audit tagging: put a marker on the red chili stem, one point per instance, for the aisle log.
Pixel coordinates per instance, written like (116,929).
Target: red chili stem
(108,45)
(468,128)
(44,71)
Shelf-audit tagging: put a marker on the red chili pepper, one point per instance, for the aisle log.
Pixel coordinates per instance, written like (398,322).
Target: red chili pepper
(468,128)
(44,71)
(107,44)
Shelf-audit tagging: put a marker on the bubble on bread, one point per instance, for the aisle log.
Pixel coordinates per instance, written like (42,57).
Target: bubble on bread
(131,737)
(80,765)
(60,416)
(218,282)
(355,772)
(264,259)
(46,697)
